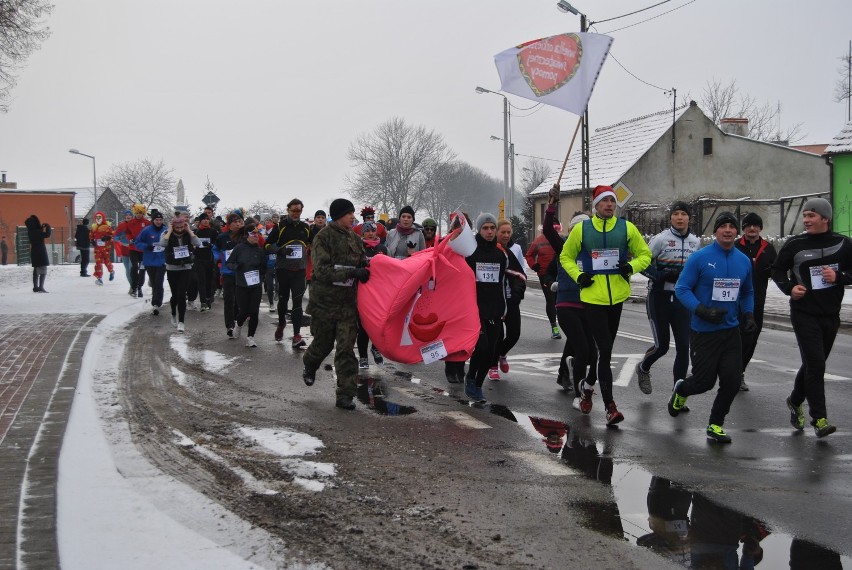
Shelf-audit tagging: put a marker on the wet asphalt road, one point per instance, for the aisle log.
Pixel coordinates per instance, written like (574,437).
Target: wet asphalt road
(798,485)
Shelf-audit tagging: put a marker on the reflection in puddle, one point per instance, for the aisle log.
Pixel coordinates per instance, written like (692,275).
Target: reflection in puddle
(682,525)
(207,359)
(371,394)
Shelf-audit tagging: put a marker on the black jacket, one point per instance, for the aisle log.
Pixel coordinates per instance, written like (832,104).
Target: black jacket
(489,262)
(81,237)
(246,259)
(37,232)
(763,256)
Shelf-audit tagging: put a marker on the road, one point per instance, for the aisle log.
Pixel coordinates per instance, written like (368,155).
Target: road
(796,484)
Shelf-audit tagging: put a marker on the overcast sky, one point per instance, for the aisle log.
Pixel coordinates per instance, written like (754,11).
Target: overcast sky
(264,97)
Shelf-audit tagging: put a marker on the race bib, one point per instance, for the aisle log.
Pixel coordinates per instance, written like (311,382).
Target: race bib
(817,282)
(205,242)
(252,277)
(100,243)
(433,351)
(293,251)
(158,248)
(726,289)
(603,259)
(487,272)
(181,251)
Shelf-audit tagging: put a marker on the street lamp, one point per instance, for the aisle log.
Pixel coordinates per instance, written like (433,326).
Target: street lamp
(566,7)
(505,140)
(94,174)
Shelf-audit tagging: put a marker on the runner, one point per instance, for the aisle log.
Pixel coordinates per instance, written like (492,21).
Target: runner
(179,243)
(225,243)
(154,258)
(248,262)
(516,285)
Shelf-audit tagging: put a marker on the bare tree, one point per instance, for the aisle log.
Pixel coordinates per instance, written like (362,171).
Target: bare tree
(764,121)
(843,87)
(395,165)
(533,174)
(144,182)
(22,30)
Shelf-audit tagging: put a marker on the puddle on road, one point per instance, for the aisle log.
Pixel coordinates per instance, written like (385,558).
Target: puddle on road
(371,393)
(207,359)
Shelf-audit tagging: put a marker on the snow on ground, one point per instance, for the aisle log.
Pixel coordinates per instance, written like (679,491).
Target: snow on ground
(116,510)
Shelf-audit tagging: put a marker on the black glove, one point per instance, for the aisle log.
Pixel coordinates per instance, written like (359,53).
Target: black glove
(626,269)
(711,314)
(106,238)
(411,245)
(535,267)
(749,324)
(584,280)
(361,274)
(671,275)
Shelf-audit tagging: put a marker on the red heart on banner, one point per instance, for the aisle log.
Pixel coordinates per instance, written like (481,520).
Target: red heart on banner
(550,63)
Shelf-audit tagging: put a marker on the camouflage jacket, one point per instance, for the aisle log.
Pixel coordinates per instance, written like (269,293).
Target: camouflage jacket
(335,252)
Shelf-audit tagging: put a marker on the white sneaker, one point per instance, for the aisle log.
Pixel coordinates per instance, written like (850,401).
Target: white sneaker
(193,305)
(237,330)
(576,404)
(174,320)
(180,327)
(250,342)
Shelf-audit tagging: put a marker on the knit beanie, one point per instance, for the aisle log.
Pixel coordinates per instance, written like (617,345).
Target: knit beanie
(369,227)
(429,223)
(679,205)
(406,210)
(155,213)
(320,213)
(819,205)
(577,219)
(724,218)
(752,219)
(128,212)
(340,207)
(602,192)
(485,218)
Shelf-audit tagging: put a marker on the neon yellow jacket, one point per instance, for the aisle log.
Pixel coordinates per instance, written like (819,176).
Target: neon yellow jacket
(606,289)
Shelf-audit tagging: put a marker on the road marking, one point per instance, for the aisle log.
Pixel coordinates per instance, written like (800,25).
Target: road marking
(826,376)
(630,362)
(544,464)
(631,336)
(465,420)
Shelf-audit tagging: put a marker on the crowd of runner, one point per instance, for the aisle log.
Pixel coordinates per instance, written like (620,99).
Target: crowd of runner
(709,299)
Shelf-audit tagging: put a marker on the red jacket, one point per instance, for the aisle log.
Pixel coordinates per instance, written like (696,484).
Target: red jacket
(132,229)
(540,252)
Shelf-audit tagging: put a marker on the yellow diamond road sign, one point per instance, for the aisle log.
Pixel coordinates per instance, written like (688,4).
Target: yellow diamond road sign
(622,194)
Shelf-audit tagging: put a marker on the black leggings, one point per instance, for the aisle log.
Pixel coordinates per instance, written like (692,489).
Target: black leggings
(291,282)
(485,353)
(229,299)
(579,344)
(715,354)
(155,279)
(815,336)
(204,274)
(513,328)
(603,321)
(549,302)
(363,341)
(137,274)
(178,281)
(666,312)
(248,301)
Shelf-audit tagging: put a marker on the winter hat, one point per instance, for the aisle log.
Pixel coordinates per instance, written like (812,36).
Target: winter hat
(429,223)
(368,227)
(155,213)
(679,205)
(138,209)
(752,219)
(602,192)
(577,219)
(320,213)
(128,212)
(819,205)
(233,217)
(85,221)
(203,216)
(724,218)
(485,218)
(406,210)
(340,207)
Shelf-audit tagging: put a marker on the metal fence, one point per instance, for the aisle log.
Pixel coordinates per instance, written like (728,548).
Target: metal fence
(60,246)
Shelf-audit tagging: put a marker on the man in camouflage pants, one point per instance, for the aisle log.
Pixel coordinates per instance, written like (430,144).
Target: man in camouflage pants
(338,258)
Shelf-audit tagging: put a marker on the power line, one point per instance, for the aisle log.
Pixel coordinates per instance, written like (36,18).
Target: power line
(538,157)
(648,19)
(631,13)
(524,108)
(634,76)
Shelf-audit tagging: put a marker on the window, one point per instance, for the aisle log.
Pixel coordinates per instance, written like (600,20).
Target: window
(708,146)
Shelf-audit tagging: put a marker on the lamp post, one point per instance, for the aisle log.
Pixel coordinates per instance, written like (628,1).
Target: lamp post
(94,174)
(505,140)
(566,7)
(511,206)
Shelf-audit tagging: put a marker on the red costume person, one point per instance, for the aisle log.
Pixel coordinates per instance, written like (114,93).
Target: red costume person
(101,235)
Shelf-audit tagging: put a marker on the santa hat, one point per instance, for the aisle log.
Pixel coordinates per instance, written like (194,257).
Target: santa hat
(602,192)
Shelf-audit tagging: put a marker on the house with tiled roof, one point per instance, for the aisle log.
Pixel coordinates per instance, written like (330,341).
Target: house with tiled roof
(680,154)
(839,157)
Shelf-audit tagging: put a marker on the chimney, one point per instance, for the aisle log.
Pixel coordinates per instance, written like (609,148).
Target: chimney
(734,126)
(3,181)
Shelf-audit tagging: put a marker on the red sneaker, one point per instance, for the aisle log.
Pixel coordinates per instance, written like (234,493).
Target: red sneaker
(613,416)
(586,393)
(279,332)
(504,365)
(493,374)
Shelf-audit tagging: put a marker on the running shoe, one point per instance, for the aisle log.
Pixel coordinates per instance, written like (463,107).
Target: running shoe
(470,388)
(493,373)
(279,332)
(345,402)
(112,275)
(644,379)
(576,404)
(231,333)
(586,397)
(363,364)
(480,396)
(250,342)
(156,311)
(504,365)
(797,415)
(822,428)
(174,320)
(677,402)
(377,356)
(180,327)
(743,385)
(99,281)
(716,433)
(298,341)
(238,330)
(309,376)
(555,334)
(613,416)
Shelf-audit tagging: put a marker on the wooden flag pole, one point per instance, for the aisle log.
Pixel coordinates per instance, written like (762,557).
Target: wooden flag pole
(565,162)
